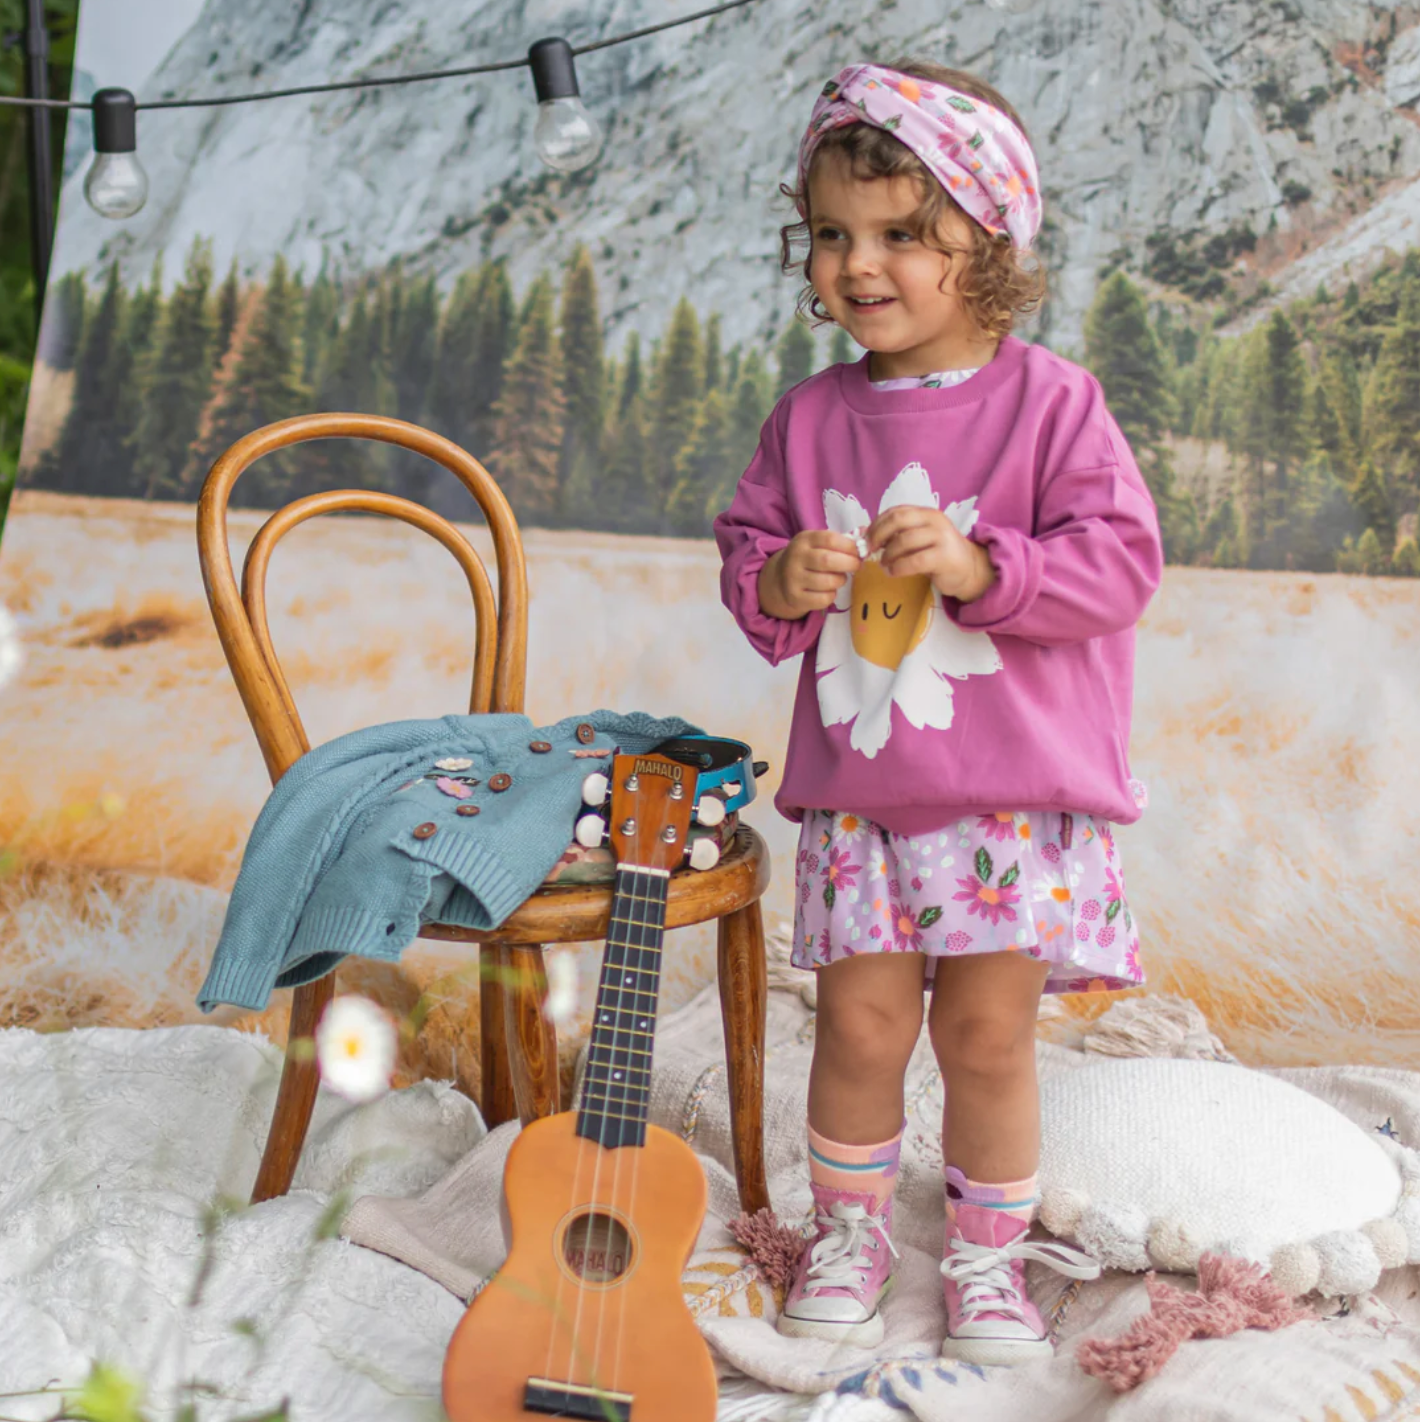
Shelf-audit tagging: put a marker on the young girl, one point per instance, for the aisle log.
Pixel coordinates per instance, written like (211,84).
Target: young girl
(955,535)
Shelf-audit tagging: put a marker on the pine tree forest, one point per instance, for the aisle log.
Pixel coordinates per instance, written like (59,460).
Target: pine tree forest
(1310,422)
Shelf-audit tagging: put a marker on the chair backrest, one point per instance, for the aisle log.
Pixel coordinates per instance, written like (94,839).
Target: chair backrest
(501,624)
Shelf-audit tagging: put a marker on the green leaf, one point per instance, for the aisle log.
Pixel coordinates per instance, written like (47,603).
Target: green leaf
(984,867)
(1112,912)
(930,916)
(893,124)
(1128,922)
(964,106)
(328,1226)
(830,895)
(107,1396)
(1010,876)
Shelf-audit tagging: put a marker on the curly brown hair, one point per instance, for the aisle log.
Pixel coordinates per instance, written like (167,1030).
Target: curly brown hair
(999,283)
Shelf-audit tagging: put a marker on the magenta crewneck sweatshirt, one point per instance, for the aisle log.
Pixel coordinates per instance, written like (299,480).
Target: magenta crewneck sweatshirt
(912,709)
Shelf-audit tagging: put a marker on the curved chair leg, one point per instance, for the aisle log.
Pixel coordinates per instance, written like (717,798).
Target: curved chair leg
(296,1096)
(743,990)
(532,1039)
(498,1103)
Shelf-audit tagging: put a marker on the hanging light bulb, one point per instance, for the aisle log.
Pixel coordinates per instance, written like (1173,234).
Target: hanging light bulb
(116,185)
(1012,7)
(566,136)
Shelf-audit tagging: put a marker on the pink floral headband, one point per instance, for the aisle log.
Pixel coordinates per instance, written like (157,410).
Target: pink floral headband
(977,154)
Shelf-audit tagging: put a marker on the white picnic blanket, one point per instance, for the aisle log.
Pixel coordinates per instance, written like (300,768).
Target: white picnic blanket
(1363,1365)
(115,1146)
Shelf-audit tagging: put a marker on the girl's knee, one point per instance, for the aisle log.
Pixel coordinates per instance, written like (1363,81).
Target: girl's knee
(983,1043)
(872,1034)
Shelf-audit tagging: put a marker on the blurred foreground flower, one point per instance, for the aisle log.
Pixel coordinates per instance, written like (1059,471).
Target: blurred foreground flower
(356,1043)
(11,653)
(106,1396)
(560,1006)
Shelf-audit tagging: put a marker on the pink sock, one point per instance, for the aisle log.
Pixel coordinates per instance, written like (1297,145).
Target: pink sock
(1017,1198)
(863,1169)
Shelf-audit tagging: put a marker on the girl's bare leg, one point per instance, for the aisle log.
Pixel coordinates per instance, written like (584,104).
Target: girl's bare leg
(869,1018)
(982,1024)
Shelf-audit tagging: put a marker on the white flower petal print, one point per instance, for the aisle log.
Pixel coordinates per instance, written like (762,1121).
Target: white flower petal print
(921,695)
(872,727)
(964,514)
(957,653)
(843,513)
(835,646)
(864,671)
(913,486)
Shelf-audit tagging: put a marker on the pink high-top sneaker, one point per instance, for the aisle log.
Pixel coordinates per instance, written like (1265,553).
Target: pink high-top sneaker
(990,1318)
(844,1271)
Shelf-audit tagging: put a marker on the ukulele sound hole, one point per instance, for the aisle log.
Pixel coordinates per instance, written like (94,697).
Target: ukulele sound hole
(597,1248)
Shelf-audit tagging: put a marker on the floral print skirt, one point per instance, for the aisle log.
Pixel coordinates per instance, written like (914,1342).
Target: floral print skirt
(1047,885)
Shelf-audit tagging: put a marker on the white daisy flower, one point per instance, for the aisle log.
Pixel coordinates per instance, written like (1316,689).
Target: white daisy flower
(560,1004)
(12,654)
(356,1044)
(850,828)
(1052,884)
(887,641)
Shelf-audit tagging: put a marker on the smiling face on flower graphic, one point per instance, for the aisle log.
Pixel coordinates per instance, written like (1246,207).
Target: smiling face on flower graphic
(887,641)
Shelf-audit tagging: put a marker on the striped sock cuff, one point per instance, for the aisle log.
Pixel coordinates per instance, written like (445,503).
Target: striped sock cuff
(1016,1197)
(864,1169)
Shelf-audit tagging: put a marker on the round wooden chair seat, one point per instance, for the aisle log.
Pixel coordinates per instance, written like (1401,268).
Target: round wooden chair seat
(578,913)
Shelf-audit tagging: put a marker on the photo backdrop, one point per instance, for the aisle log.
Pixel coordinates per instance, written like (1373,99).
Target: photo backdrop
(1233,237)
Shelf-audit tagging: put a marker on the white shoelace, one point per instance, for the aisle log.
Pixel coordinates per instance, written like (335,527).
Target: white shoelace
(837,1260)
(983,1272)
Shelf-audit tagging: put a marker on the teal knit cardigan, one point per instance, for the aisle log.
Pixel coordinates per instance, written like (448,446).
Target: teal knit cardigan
(357,846)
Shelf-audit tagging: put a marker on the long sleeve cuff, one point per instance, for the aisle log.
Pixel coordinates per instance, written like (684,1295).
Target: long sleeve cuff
(774,638)
(1020,564)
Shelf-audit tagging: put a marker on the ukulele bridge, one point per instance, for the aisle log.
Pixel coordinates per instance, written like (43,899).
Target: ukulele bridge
(568,1399)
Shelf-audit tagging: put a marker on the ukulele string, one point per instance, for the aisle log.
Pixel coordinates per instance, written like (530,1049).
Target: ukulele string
(654,943)
(555,1322)
(604,1012)
(635,926)
(615,1009)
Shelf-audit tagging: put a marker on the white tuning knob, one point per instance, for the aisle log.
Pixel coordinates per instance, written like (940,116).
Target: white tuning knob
(590,832)
(709,811)
(704,854)
(594,789)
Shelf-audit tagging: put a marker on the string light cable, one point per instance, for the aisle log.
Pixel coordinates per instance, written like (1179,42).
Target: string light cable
(565,135)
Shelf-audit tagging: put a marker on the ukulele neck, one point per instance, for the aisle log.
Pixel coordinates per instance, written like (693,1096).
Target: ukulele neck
(616,1085)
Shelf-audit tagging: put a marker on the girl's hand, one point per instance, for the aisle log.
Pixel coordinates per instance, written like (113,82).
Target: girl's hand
(805,576)
(915,540)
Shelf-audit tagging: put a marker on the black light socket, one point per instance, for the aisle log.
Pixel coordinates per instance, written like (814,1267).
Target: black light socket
(115,121)
(554,70)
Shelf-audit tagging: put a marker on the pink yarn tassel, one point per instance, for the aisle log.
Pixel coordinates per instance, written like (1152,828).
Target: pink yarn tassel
(774,1247)
(1233,1294)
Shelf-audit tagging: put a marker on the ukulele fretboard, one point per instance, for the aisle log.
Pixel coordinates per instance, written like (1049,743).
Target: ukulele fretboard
(616,1084)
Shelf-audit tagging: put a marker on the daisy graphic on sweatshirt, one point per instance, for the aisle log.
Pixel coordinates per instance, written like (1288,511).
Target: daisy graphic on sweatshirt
(888,641)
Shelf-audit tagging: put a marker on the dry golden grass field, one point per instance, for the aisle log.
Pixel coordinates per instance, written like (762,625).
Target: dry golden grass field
(1277,873)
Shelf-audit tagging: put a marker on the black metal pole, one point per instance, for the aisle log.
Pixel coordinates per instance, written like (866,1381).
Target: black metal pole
(41,160)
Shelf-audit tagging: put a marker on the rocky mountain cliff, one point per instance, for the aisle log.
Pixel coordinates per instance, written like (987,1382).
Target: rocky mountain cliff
(1294,120)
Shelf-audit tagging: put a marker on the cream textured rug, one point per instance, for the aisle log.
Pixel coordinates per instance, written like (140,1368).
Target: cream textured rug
(118,1147)
(1360,1365)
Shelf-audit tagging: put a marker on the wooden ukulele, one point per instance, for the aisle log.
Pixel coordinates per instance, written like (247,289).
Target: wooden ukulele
(586,1318)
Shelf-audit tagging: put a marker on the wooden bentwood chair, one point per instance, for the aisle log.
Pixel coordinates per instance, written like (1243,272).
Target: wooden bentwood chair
(519,1045)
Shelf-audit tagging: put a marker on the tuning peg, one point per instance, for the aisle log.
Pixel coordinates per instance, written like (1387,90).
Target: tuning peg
(704,854)
(760,768)
(590,832)
(709,811)
(594,789)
